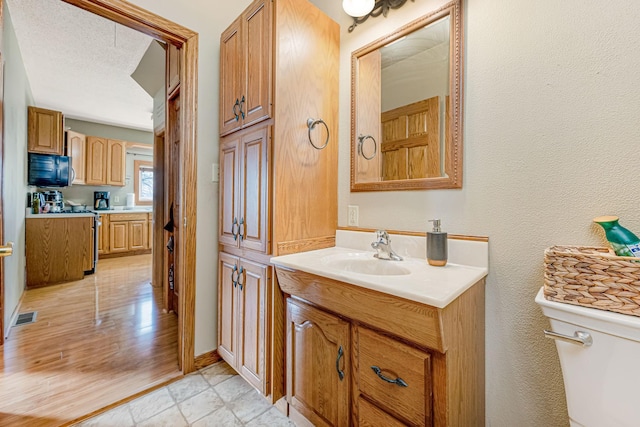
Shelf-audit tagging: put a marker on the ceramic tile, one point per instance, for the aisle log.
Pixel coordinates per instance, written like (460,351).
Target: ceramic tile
(218,373)
(168,418)
(271,418)
(200,405)
(151,404)
(188,386)
(219,418)
(119,416)
(249,406)
(233,388)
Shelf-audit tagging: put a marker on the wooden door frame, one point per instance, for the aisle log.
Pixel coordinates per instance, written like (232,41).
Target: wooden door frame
(162,29)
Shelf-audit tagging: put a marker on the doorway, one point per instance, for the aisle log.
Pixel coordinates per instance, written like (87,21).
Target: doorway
(184,213)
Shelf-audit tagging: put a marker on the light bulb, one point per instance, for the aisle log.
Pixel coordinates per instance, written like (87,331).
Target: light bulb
(357,8)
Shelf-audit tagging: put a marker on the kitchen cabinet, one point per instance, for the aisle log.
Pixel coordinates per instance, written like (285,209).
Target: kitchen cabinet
(124,234)
(77,150)
(57,249)
(242,294)
(244,180)
(173,68)
(318,367)
(414,364)
(45,131)
(245,69)
(278,194)
(105,161)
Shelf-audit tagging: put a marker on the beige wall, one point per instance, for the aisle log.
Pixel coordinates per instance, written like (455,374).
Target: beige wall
(17,96)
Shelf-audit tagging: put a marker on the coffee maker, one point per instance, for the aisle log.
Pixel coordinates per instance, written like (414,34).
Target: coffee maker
(101,200)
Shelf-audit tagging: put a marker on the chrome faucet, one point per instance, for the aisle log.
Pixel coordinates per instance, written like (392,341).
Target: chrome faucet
(383,246)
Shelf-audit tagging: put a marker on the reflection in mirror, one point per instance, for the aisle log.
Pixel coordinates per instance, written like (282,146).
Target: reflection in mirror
(405,118)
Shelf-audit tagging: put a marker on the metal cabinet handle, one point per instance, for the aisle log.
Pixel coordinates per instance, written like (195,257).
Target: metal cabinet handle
(234,280)
(579,337)
(234,231)
(241,107)
(398,381)
(241,229)
(340,372)
(235,114)
(240,275)
(6,250)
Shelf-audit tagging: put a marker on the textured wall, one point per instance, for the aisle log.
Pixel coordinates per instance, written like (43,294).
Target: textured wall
(550,129)
(17,97)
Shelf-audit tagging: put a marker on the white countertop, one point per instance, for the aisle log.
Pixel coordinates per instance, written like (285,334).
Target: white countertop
(92,213)
(60,215)
(435,286)
(125,211)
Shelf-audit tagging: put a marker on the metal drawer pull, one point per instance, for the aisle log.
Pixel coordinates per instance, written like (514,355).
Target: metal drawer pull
(241,229)
(398,381)
(579,337)
(234,232)
(234,275)
(240,276)
(235,114)
(340,354)
(311,124)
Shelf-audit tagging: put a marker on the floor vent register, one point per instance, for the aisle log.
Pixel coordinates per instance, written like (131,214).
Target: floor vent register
(25,318)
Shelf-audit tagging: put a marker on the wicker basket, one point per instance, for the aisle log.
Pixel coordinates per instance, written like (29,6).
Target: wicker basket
(592,277)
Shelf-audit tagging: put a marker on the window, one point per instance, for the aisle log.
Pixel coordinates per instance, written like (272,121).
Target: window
(143,183)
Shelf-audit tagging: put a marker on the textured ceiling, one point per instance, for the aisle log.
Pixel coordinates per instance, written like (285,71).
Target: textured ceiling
(81,64)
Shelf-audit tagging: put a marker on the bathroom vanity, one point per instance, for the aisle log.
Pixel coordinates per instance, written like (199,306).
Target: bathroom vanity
(402,344)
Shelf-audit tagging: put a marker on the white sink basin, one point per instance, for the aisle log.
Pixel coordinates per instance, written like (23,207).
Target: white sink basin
(411,278)
(364,263)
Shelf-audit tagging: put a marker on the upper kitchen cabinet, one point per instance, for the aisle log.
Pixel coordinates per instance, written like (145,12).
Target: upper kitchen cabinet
(45,133)
(245,68)
(105,161)
(173,68)
(77,150)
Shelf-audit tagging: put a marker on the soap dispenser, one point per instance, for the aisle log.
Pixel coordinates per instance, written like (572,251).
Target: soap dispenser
(436,245)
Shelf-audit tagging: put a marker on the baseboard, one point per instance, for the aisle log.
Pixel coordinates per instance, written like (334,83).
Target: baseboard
(14,316)
(207,359)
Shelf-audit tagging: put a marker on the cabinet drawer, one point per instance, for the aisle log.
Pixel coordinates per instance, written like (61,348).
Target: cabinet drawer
(129,217)
(409,397)
(370,415)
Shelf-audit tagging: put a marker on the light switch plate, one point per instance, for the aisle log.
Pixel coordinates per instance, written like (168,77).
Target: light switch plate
(353,216)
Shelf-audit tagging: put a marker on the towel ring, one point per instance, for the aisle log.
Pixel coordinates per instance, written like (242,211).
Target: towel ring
(311,123)
(361,140)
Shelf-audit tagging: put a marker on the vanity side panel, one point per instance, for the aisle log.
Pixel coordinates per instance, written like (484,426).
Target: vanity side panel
(406,319)
(463,373)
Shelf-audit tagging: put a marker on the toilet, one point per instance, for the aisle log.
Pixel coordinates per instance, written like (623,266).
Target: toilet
(601,377)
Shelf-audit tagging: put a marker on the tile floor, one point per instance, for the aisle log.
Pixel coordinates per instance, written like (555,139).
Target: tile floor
(214,396)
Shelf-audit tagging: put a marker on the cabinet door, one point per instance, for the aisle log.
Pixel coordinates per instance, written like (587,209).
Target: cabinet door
(77,149)
(116,161)
(45,133)
(254,190)
(229,190)
(227,307)
(318,371)
(103,235)
(252,318)
(96,160)
(230,78)
(257,53)
(118,236)
(138,236)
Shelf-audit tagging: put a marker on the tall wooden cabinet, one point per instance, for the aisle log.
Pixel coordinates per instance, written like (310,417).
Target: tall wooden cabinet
(278,194)
(45,131)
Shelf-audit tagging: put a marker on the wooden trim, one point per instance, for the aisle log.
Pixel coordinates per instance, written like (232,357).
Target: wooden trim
(140,146)
(139,19)
(418,234)
(124,254)
(206,359)
(303,245)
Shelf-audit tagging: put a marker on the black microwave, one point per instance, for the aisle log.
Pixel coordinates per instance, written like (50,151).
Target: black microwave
(48,170)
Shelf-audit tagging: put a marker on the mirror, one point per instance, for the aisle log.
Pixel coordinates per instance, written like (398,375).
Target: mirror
(406,106)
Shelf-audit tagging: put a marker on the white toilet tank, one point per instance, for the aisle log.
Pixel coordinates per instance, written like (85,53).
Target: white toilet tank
(601,380)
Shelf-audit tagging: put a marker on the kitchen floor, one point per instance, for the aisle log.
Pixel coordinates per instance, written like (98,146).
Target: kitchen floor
(214,396)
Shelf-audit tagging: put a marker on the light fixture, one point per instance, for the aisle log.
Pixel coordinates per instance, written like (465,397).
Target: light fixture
(374,8)
(358,8)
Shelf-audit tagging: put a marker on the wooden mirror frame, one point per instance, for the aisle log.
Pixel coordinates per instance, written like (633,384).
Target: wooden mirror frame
(453,145)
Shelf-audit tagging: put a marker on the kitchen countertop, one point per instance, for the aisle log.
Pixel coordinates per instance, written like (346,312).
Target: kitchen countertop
(91,213)
(125,211)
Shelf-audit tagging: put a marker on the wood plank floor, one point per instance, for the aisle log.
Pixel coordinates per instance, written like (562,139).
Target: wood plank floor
(95,342)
